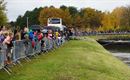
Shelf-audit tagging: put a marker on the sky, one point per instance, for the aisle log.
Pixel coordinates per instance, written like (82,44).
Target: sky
(19,7)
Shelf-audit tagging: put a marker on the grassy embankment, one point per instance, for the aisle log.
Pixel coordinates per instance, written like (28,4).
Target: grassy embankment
(75,60)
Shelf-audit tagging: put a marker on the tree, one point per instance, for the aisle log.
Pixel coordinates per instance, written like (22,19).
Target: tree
(78,22)
(107,21)
(117,13)
(32,15)
(112,21)
(73,11)
(19,21)
(3,18)
(52,12)
(87,18)
(91,18)
(63,7)
(125,18)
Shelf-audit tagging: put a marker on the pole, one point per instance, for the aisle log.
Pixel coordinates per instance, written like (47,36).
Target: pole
(27,22)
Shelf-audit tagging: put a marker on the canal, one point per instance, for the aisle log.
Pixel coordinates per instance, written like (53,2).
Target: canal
(120,49)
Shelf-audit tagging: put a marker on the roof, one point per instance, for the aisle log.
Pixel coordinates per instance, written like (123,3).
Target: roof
(35,27)
(51,28)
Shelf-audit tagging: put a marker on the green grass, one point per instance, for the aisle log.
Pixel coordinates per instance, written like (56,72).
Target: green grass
(75,60)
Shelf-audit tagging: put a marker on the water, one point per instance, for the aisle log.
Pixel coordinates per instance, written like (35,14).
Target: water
(120,50)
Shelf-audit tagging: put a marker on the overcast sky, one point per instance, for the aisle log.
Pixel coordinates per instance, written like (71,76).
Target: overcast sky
(19,7)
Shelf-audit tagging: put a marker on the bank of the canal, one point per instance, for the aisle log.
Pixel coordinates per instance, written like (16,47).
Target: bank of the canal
(75,60)
(118,45)
(119,50)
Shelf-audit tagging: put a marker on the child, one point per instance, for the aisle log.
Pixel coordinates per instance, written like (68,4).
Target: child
(44,43)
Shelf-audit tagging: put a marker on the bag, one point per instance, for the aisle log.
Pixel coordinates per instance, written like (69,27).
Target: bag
(33,44)
(39,37)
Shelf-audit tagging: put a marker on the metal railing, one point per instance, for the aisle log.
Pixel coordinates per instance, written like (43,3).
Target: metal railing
(24,50)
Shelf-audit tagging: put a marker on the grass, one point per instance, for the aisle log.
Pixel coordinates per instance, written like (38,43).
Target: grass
(76,60)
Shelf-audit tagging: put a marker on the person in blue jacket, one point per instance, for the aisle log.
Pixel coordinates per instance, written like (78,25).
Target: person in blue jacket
(31,35)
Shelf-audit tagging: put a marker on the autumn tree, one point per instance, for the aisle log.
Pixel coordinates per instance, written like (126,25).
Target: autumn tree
(86,18)
(52,12)
(107,21)
(112,21)
(91,17)
(78,21)
(117,16)
(125,19)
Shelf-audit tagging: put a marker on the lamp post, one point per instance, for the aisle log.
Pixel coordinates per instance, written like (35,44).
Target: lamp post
(27,22)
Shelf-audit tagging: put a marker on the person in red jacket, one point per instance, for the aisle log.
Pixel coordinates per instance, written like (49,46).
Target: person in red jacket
(40,36)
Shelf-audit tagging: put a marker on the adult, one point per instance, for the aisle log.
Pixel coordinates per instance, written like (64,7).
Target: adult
(8,43)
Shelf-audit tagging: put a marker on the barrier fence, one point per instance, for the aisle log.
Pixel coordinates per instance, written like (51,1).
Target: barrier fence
(24,49)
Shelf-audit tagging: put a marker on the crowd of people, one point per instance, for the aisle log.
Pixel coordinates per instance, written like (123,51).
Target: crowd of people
(7,38)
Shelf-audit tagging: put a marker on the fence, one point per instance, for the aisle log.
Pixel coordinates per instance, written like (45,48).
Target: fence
(24,49)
